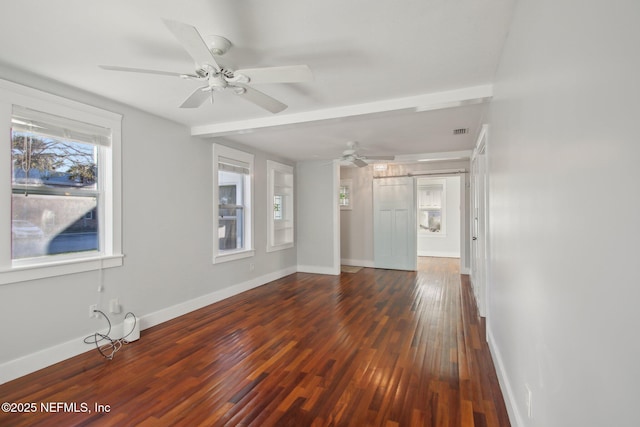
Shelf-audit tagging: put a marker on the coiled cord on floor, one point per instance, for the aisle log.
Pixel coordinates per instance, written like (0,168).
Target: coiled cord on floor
(109,349)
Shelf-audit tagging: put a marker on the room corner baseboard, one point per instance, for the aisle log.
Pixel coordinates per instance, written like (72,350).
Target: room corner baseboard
(509,398)
(29,363)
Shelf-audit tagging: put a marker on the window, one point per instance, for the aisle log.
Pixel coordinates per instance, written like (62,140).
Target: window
(278,207)
(431,206)
(280,226)
(64,198)
(345,196)
(232,177)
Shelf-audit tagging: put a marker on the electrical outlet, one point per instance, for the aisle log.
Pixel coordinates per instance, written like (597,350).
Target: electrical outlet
(529,401)
(92,311)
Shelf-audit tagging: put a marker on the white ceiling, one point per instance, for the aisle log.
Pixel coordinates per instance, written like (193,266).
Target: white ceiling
(374,62)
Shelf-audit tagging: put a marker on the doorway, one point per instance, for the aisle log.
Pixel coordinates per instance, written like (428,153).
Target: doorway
(416,217)
(439,216)
(479,226)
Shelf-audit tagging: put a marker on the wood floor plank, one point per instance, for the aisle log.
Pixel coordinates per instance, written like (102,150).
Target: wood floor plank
(372,348)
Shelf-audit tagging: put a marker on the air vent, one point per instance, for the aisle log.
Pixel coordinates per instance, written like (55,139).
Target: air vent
(460,131)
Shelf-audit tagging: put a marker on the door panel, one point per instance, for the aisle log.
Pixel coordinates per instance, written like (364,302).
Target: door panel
(394,223)
(479,226)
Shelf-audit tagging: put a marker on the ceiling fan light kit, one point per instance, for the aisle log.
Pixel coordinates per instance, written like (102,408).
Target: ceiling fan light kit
(219,78)
(218,45)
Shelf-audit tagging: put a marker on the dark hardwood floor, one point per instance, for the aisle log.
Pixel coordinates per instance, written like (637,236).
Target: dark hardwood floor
(372,348)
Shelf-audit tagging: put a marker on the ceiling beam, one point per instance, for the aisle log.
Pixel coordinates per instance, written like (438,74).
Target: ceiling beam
(418,103)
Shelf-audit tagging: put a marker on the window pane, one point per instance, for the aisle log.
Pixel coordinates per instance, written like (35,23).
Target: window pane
(277,207)
(49,225)
(230,231)
(54,202)
(431,220)
(231,210)
(44,164)
(344,196)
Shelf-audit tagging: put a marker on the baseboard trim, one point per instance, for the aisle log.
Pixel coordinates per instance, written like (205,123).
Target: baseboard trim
(358,262)
(333,271)
(161,316)
(24,365)
(29,363)
(439,254)
(510,402)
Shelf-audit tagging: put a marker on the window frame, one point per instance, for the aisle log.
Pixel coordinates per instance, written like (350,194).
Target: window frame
(285,224)
(110,173)
(348,185)
(248,250)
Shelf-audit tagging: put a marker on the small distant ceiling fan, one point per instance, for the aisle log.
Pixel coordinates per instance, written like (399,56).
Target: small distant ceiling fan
(351,155)
(218,78)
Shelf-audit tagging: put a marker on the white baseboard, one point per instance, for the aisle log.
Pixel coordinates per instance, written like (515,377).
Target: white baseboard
(319,270)
(161,316)
(507,391)
(439,254)
(358,262)
(24,365)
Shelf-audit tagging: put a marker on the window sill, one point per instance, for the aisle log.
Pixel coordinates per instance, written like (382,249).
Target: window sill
(233,256)
(58,268)
(280,247)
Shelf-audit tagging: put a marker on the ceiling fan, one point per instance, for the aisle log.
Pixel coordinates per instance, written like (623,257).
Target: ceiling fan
(218,78)
(351,155)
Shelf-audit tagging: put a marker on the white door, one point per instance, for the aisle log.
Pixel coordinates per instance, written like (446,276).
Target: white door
(479,225)
(394,223)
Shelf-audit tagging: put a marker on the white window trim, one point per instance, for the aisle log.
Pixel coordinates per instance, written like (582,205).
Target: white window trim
(272,168)
(248,251)
(110,254)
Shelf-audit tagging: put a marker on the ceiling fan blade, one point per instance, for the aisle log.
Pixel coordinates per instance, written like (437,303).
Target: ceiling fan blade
(197,98)
(142,70)
(380,157)
(286,74)
(360,163)
(192,41)
(260,99)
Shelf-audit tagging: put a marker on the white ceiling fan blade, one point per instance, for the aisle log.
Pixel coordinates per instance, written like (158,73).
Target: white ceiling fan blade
(286,74)
(360,163)
(380,157)
(142,70)
(197,98)
(260,99)
(192,41)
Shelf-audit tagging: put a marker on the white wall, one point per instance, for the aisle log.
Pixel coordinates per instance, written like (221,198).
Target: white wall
(317,219)
(446,244)
(167,241)
(356,224)
(564,201)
